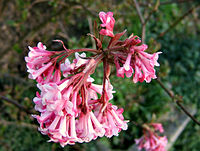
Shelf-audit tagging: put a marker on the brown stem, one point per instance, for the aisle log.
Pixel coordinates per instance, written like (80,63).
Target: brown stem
(104,80)
(143,22)
(177,101)
(170,93)
(142,19)
(21,107)
(137,6)
(143,33)
(91,31)
(106,75)
(155,8)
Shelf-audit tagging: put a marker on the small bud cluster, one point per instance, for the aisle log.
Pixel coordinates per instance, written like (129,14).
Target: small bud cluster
(72,107)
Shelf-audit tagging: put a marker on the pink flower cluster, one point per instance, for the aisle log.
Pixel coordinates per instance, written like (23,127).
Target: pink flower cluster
(41,66)
(72,107)
(133,60)
(136,60)
(150,141)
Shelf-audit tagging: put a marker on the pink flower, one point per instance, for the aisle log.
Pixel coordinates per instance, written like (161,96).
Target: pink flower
(144,64)
(135,58)
(112,120)
(57,119)
(67,68)
(52,99)
(88,127)
(59,104)
(37,57)
(118,68)
(158,127)
(126,69)
(60,129)
(80,59)
(108,22)
(40,66)
(98,89)
(150,141)
(161,144)
(38,103)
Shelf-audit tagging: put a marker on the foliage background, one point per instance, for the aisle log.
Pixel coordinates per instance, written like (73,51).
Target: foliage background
(26,22)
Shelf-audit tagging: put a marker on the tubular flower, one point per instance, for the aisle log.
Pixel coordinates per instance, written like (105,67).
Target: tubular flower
(150,141)
(73,109)
(88,127)
(136,61)
(157,127)
(68,68)
(144,64)
(112,120)
(126,69)
(67,108)
(40,65)
(108,22)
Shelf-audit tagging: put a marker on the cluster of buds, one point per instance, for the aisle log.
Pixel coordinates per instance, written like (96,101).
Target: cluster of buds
(151,141)
(73,108)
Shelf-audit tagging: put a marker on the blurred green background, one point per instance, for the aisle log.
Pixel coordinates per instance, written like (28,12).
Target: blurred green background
(26,22)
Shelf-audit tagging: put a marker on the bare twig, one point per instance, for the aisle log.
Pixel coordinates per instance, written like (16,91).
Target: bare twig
(178,21)
(138,11)
(141,20)
(64,33)
(91,31)
(21,107)
(155,8)
(170,93)
(177,100)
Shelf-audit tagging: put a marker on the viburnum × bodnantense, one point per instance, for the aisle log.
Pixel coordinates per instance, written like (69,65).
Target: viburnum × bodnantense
(69,106)
(151,141)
